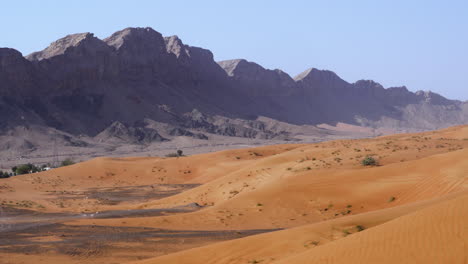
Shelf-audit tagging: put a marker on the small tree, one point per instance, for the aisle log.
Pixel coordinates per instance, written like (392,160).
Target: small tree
(25,169)
(4,175)
(369,161)
(179,152)
(67,162)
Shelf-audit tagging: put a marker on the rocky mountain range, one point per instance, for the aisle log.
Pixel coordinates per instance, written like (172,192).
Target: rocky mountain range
(138,86)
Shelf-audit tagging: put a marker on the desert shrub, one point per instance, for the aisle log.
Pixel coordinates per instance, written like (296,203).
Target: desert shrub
(178,153)
(369,161)
(67,162)
(360,228)
(391,199)
(4,175)
(26,168)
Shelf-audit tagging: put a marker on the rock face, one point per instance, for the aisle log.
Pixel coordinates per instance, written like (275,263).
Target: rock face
(120,132)
(84,85)
(79,44)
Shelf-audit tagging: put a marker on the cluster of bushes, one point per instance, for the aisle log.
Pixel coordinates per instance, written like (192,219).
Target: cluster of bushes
(66,162)
(27,168)
(369,161)
(179,153)
(31,168)
(4,174)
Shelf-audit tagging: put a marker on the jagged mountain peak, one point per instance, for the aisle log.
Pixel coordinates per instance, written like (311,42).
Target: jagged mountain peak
(7,52)
(431,97)
(231,67)
(126,76)
(9,56)
(368,84)
(399,89)
(59,47)
(314,73)
(321,79)
(247,70)
(135,34)
(175,45)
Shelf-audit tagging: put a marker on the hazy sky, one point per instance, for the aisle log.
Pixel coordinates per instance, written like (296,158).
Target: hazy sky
(420,44)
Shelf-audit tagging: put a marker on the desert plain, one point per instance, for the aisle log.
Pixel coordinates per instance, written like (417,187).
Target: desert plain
(289,203)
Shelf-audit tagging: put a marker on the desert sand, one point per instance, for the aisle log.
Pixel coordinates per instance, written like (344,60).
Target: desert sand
(294,203)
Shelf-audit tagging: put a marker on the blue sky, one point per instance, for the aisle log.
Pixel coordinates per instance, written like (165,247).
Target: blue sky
(420,44)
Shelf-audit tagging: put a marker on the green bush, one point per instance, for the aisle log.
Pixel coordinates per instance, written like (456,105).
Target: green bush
(178,153)
(4,175)
(67,162)
(25,169)
(369,161)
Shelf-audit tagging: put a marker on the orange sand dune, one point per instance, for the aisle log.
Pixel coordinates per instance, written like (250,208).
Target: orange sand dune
(118,172)
(320,194)
(270,247)
(306,197)
(224,174)
(438,234)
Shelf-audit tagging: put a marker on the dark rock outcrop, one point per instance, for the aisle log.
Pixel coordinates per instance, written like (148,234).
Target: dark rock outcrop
(84,85)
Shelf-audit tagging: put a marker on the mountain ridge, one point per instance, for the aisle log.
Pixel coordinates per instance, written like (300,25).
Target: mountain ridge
(81,84)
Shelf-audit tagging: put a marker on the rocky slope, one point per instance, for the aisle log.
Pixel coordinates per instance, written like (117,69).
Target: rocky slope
(105,89)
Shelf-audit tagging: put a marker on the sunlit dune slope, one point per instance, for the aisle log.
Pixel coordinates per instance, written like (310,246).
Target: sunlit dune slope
(274,246)
(121,172)
(286,199)
(438,234)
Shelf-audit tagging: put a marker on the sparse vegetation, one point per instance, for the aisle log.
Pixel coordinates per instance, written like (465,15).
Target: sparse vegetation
(360,228)
(25,169)
(314,243)
(391,199)
(178,153)
(369,161)
(67,162)
(346,232)
(4,175)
